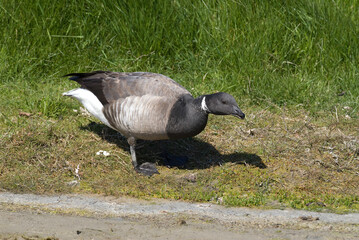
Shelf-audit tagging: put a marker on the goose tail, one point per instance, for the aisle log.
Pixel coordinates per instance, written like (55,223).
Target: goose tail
(70,93)
(79,76)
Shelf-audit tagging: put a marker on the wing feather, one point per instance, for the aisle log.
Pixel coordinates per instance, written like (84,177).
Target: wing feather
(111,86)
(143,117)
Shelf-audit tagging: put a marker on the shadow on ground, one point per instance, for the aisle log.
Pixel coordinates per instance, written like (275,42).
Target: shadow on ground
(200,154)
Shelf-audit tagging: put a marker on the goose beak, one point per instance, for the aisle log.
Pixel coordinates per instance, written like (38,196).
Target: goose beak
(238,113)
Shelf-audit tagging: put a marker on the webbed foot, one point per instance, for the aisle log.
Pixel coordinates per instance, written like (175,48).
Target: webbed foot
(147,169)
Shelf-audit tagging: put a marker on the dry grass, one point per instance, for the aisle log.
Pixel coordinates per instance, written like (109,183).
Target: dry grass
(283,159)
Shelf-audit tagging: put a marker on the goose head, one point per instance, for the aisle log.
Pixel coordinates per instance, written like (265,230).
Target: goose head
(221,103)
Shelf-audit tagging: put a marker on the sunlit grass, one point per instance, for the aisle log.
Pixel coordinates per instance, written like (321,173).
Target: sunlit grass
(270,160)
(283,52)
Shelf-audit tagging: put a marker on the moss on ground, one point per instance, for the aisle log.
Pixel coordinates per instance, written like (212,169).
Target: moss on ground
(271,160)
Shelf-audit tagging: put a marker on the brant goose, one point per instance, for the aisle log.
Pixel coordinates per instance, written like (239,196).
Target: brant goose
(148,106)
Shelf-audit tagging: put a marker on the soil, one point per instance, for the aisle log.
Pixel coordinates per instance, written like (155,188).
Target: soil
(27,216)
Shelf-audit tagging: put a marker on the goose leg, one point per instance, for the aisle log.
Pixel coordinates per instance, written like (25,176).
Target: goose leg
(132,142)
(147,169)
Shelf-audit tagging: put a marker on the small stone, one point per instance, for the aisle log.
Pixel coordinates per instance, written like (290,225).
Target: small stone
(25,114)
(191,177)
(72,183)
(329,227)
(183,222)
(308,218)
(251,132)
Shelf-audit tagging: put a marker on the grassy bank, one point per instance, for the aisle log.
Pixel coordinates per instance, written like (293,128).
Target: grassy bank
(283,52)
(269,160)
(292,65)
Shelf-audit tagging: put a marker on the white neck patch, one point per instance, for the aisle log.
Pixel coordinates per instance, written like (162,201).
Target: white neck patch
(204,105)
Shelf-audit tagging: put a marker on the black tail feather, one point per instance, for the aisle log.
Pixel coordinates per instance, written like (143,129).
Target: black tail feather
(94,84)
(75,76)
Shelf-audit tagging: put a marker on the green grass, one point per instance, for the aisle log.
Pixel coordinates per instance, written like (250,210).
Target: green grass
(282,60)
(285,52)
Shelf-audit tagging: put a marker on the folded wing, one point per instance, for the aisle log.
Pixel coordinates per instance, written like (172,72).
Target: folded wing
(143,117)
(111,86)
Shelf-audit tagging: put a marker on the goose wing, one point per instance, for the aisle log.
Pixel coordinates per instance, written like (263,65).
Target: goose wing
(111,86)
(143,117)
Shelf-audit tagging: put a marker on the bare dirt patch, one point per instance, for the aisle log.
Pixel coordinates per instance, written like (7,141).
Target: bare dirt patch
(94,217)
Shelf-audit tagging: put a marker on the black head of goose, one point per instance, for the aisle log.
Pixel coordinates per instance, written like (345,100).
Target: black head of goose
(148,106)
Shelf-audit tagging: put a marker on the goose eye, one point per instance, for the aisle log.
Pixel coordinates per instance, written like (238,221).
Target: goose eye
(224,101)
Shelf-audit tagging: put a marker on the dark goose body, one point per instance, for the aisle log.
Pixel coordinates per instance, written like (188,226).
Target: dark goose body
(148,106)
